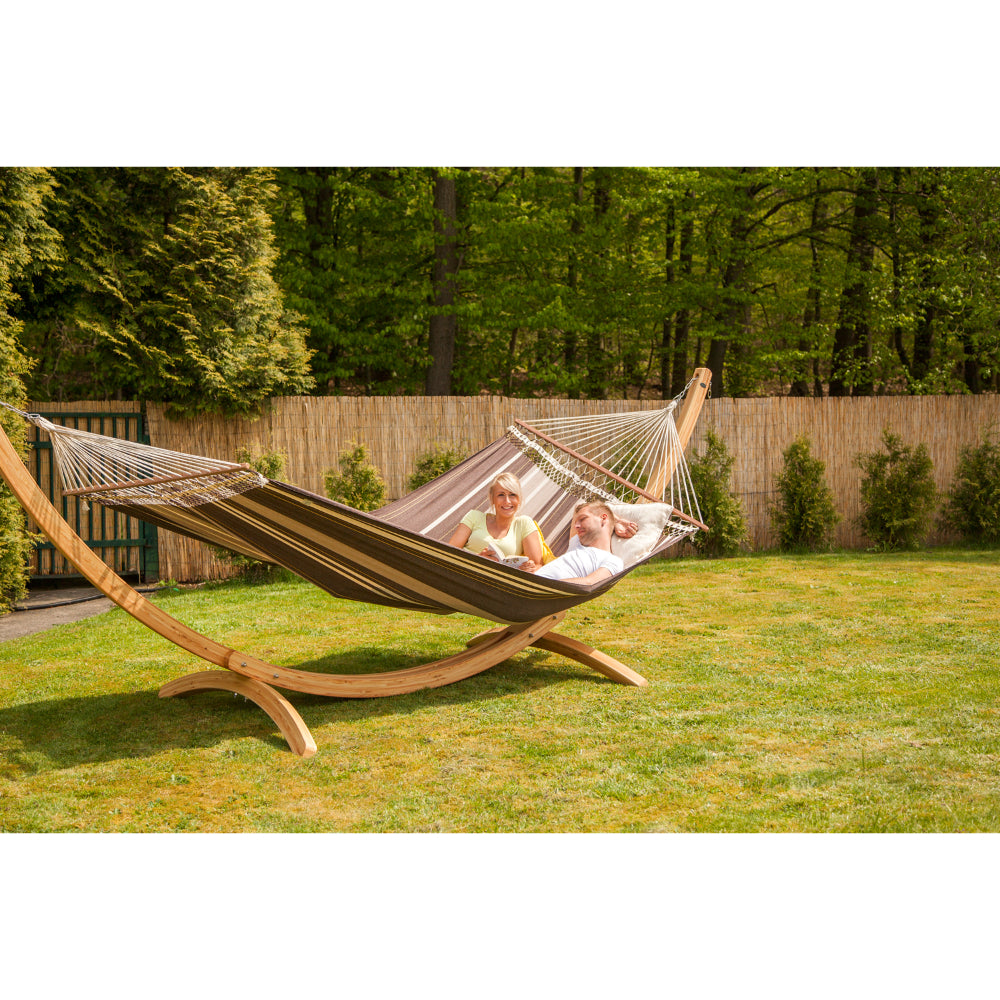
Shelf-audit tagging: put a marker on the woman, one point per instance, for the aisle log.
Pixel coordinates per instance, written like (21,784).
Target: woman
(512,533)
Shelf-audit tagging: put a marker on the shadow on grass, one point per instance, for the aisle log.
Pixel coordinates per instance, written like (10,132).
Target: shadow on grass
(67,732)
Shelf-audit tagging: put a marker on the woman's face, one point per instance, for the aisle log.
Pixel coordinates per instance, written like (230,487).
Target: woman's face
(505,501)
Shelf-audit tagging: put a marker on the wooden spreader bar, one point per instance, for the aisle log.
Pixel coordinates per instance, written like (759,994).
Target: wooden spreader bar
(131,483)
(607,472)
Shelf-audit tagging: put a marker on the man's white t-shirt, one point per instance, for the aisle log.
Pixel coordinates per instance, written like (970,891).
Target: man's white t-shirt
(581,561)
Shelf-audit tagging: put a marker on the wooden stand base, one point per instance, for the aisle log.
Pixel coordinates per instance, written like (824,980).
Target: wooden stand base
(256,679)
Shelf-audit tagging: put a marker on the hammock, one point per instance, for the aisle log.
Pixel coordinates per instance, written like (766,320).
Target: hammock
(399,556)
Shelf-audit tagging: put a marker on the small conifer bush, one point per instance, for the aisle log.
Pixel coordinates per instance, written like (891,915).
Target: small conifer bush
(357,483)
(804,516)
(720,510)
(898,494)
(432,464)
(973,504)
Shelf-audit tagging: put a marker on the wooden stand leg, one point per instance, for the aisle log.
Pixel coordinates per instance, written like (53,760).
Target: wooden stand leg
(573,649)
(278,708)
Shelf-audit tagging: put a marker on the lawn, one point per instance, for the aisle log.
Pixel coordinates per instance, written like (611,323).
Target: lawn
(849,692)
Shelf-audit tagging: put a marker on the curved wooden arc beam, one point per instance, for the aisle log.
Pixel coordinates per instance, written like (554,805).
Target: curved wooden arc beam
(280,710)
(573,649)
(496,646)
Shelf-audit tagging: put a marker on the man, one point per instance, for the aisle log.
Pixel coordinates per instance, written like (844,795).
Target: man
(592,560)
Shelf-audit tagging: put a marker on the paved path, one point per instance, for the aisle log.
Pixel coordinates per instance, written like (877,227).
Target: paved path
(45,608)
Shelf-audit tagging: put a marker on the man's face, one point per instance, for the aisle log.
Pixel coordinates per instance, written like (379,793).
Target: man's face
(588,525)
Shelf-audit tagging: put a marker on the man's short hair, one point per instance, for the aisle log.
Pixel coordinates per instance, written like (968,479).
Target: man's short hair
(599,506)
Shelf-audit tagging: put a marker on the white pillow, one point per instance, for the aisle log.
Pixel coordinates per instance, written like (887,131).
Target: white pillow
(651,518)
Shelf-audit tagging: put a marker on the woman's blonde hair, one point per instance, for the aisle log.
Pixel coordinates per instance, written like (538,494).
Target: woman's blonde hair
(506,481)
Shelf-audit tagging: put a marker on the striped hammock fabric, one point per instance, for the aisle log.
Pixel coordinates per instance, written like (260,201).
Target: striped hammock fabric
(397,556)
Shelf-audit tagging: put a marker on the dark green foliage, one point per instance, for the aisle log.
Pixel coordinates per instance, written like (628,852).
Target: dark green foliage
(973,504)
(272,465)
(166,292)
(27,244)
(432,464)
(804,516)
(720,510)
(356,251)
(357,483)
(898,494)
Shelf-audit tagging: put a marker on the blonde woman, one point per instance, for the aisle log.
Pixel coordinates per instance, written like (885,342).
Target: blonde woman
(502,528)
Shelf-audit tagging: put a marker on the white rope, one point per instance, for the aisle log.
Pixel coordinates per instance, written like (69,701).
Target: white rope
(635,446)
(116,471)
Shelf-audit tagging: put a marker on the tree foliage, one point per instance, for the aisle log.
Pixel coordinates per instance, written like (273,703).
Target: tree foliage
(355,482)
(711,473)
(27,243)
(166,292)
(898,494)
(973,503)
(805,515)
(432,464)
(209,288)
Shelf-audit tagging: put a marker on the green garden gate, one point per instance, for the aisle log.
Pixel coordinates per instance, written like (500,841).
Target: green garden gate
(126,544)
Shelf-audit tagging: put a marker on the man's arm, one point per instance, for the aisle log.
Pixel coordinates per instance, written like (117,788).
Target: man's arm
(601,573)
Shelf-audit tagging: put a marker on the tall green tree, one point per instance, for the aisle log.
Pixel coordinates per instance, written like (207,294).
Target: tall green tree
(166,293)
(357,247)
(618,281)
(27,244)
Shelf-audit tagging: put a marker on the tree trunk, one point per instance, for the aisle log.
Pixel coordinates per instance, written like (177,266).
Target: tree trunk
(896,252)
(811,315)
(597,362)
(849,369)
(575,228)
(923,336)
(682,330)
(666,346)
(443,281)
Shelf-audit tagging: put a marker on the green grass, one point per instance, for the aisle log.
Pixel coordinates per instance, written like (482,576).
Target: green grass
(843,692)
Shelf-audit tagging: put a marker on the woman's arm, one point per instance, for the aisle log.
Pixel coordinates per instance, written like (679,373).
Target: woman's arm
(461,536)
(532,546)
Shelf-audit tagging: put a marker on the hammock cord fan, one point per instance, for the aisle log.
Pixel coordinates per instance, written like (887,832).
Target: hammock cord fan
(397,556)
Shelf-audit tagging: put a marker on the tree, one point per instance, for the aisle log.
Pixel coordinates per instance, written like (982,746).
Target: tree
(443,284)
(898,494)
(356,246)
(805,515)
(711,473)
(618,281)
(166,293)
(27,244)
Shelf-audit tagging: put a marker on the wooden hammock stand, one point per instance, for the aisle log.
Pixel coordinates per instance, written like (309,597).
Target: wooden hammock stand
(256,679)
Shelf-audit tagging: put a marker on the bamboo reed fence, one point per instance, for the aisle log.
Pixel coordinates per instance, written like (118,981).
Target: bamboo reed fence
(311,432)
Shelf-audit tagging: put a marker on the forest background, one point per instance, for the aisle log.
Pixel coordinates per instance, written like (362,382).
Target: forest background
(212,289)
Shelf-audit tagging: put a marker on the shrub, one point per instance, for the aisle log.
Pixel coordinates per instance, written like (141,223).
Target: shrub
(270,464)
(720,510)
(804,517)
(358,483)
(432,464)
(898,494)
(15,542)
(973,504)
